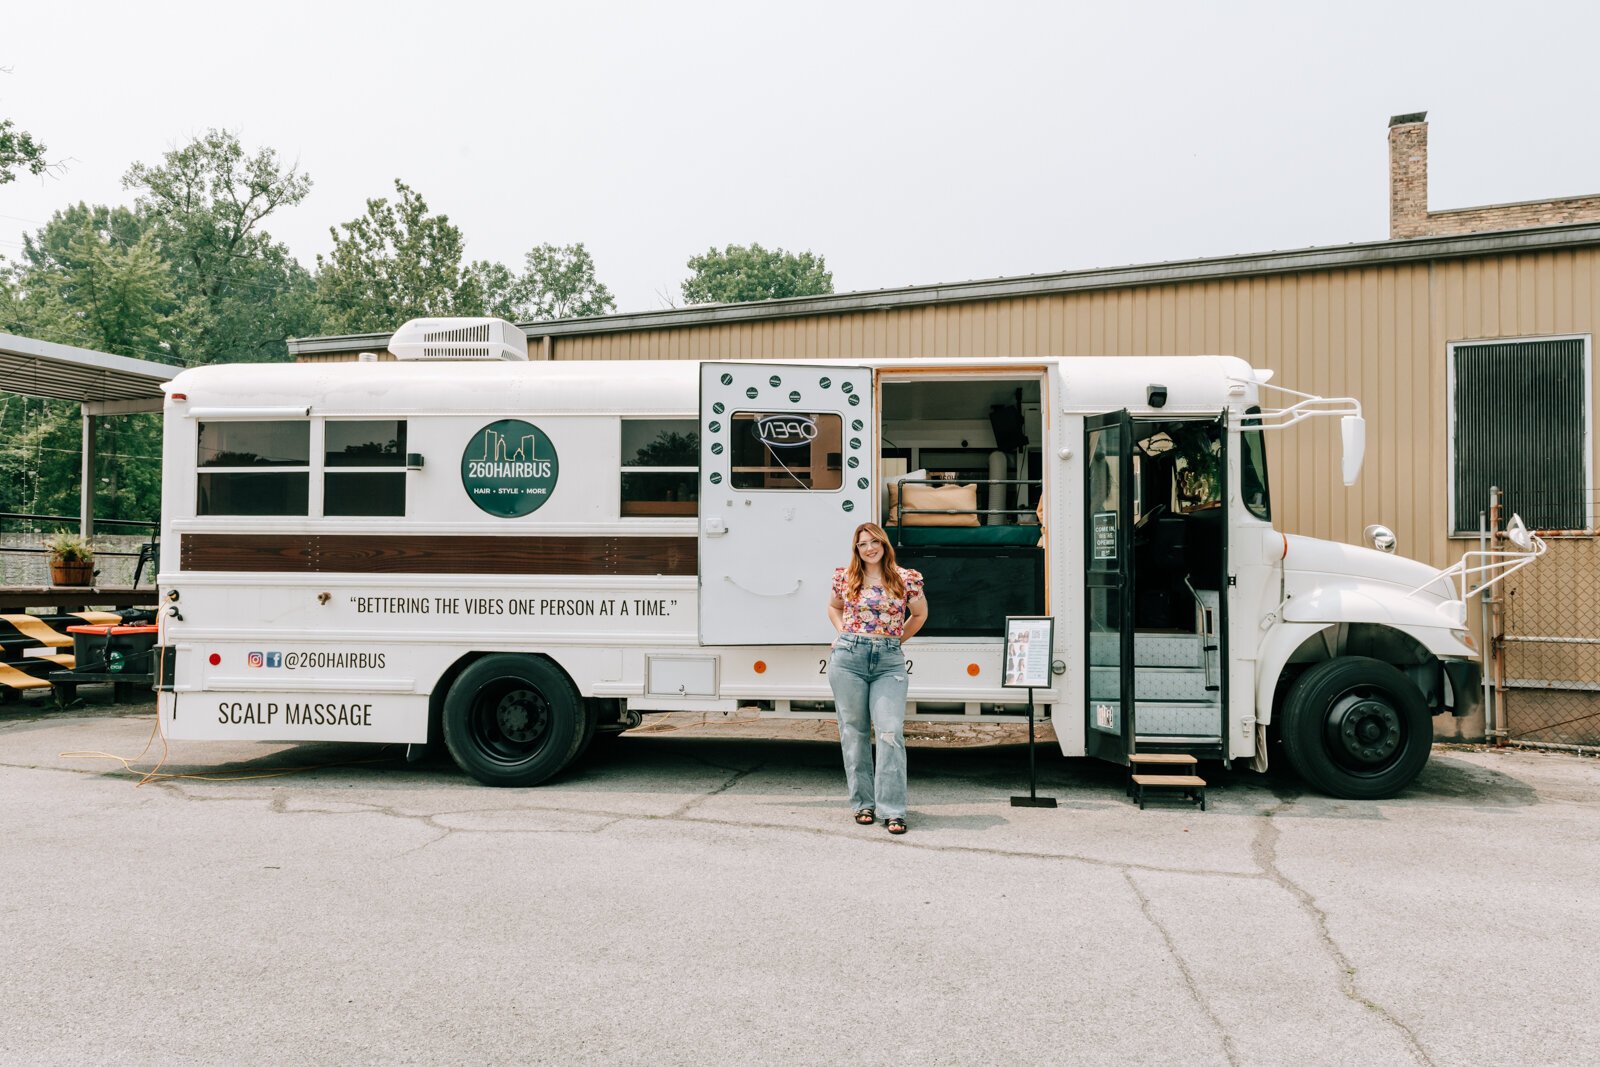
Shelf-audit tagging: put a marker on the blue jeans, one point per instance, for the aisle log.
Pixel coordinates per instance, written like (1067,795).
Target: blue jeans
(868,677)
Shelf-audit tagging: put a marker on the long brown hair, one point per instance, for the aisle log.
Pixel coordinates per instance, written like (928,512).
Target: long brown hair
(856,573)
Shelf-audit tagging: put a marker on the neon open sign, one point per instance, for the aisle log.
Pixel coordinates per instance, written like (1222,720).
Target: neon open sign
(785,431)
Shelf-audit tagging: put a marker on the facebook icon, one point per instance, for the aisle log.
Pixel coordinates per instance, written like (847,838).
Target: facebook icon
(274,659)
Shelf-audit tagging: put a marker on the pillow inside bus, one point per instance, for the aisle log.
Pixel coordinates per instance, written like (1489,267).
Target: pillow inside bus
(892,505)
(962,498)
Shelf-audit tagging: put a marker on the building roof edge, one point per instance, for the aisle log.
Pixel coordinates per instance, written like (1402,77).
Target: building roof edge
(1326,257)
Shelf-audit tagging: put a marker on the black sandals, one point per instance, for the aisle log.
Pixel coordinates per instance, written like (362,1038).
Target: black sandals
(866,816)
(895,826)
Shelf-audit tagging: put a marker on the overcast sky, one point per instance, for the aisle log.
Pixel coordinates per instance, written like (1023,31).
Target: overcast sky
(905,142)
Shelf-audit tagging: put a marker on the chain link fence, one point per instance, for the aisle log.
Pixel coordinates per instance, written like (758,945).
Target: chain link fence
(1547,645)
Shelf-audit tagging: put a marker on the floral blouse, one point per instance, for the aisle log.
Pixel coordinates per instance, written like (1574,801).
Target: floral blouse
(875,612)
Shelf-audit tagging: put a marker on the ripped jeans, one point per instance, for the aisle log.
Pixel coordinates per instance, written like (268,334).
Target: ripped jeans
(868,677)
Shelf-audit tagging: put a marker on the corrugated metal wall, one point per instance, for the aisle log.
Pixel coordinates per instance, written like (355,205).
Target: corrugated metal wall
(1377,333)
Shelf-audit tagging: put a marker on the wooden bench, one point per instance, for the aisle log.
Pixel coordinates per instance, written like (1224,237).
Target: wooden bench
(1193,786)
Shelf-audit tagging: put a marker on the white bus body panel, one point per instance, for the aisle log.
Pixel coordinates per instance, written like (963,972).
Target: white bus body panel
(330,654)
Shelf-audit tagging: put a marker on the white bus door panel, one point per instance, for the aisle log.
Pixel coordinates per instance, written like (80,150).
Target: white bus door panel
(785,477)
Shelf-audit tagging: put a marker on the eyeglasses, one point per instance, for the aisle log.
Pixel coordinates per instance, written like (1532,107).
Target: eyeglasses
(864,544)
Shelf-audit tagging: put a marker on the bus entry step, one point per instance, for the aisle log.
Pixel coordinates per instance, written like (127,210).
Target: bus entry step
(1193,786)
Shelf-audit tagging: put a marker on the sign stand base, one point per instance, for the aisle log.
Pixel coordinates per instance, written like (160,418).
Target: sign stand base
(1033,799)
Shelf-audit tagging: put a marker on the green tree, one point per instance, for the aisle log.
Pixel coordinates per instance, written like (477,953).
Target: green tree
(242,293)
(739,273)
(489,288)
(95,277)
(394,263)
(40,461)
(19,151)
(560,283)
(556,283)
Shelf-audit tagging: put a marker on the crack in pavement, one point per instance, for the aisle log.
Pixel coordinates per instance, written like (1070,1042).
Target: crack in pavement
(738,775)
(280,806)
(1229,1049)
(1264,850)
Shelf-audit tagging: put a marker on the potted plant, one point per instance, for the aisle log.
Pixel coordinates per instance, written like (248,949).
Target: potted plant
(71,559)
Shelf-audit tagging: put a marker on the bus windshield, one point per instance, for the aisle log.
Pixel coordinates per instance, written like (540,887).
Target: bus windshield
(1253,470)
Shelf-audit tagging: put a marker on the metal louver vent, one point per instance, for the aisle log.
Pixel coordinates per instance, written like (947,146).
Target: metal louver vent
(478,333)
(1520,424)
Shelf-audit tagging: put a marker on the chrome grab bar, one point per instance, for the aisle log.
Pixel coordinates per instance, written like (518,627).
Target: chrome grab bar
(1203,624)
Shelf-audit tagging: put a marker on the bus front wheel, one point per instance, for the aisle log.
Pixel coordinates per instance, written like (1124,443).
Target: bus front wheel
(1357,728)
(513,720)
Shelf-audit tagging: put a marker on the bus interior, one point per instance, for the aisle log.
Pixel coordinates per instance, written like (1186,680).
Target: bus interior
(961,469)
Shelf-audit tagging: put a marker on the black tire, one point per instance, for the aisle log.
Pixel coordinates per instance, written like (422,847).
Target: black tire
(1356,728)
(513,720)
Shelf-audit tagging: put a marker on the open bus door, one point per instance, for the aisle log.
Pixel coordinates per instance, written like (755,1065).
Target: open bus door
(786,475)
(1108,585)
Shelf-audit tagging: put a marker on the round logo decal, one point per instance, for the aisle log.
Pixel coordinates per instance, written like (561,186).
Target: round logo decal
(509,468)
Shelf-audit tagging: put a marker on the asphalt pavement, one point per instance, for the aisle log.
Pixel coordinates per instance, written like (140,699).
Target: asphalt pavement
(699,895)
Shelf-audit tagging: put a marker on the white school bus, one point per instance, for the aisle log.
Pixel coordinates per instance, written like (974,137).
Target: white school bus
(516,557)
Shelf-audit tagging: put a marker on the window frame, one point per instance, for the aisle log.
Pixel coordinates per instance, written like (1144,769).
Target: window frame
(398,467)
(313,489)
(316,470)
(1454,530)
(757,414)
(690,424)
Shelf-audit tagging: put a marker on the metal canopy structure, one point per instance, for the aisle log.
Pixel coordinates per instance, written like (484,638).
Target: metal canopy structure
(103,383)
(100,383)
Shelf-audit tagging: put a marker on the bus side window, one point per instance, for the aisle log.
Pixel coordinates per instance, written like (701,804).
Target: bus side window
(365,467)
(660,467)
(254,468)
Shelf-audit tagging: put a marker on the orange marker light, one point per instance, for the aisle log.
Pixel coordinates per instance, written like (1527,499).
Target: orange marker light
(761,666)
(972,669)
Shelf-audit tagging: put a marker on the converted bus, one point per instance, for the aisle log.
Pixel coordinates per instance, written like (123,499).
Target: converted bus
(514,558)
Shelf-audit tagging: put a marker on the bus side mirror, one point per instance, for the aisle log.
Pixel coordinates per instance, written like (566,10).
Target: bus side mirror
(1517,533)
(1353,432)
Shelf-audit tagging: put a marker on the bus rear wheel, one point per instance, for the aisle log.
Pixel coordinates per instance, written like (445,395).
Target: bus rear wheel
(513,720)
(1356,728)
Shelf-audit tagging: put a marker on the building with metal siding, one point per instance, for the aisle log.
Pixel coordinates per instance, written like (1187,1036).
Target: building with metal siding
(1373,321)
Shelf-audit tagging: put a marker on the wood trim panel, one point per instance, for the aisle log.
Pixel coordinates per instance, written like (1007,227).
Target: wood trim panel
(434,554)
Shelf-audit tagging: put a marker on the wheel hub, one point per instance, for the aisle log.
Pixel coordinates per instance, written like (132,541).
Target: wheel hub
(521,716)
(1364,731)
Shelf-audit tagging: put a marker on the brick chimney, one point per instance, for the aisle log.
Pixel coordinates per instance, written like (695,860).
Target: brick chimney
(1408,175)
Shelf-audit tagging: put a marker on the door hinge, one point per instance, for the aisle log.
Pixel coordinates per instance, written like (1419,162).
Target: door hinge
(1233,579)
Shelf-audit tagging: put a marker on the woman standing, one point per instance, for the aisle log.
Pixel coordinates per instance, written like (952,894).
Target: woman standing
(876,605)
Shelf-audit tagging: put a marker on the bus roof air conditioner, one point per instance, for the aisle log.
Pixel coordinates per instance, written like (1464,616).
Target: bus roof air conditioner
(459,339)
